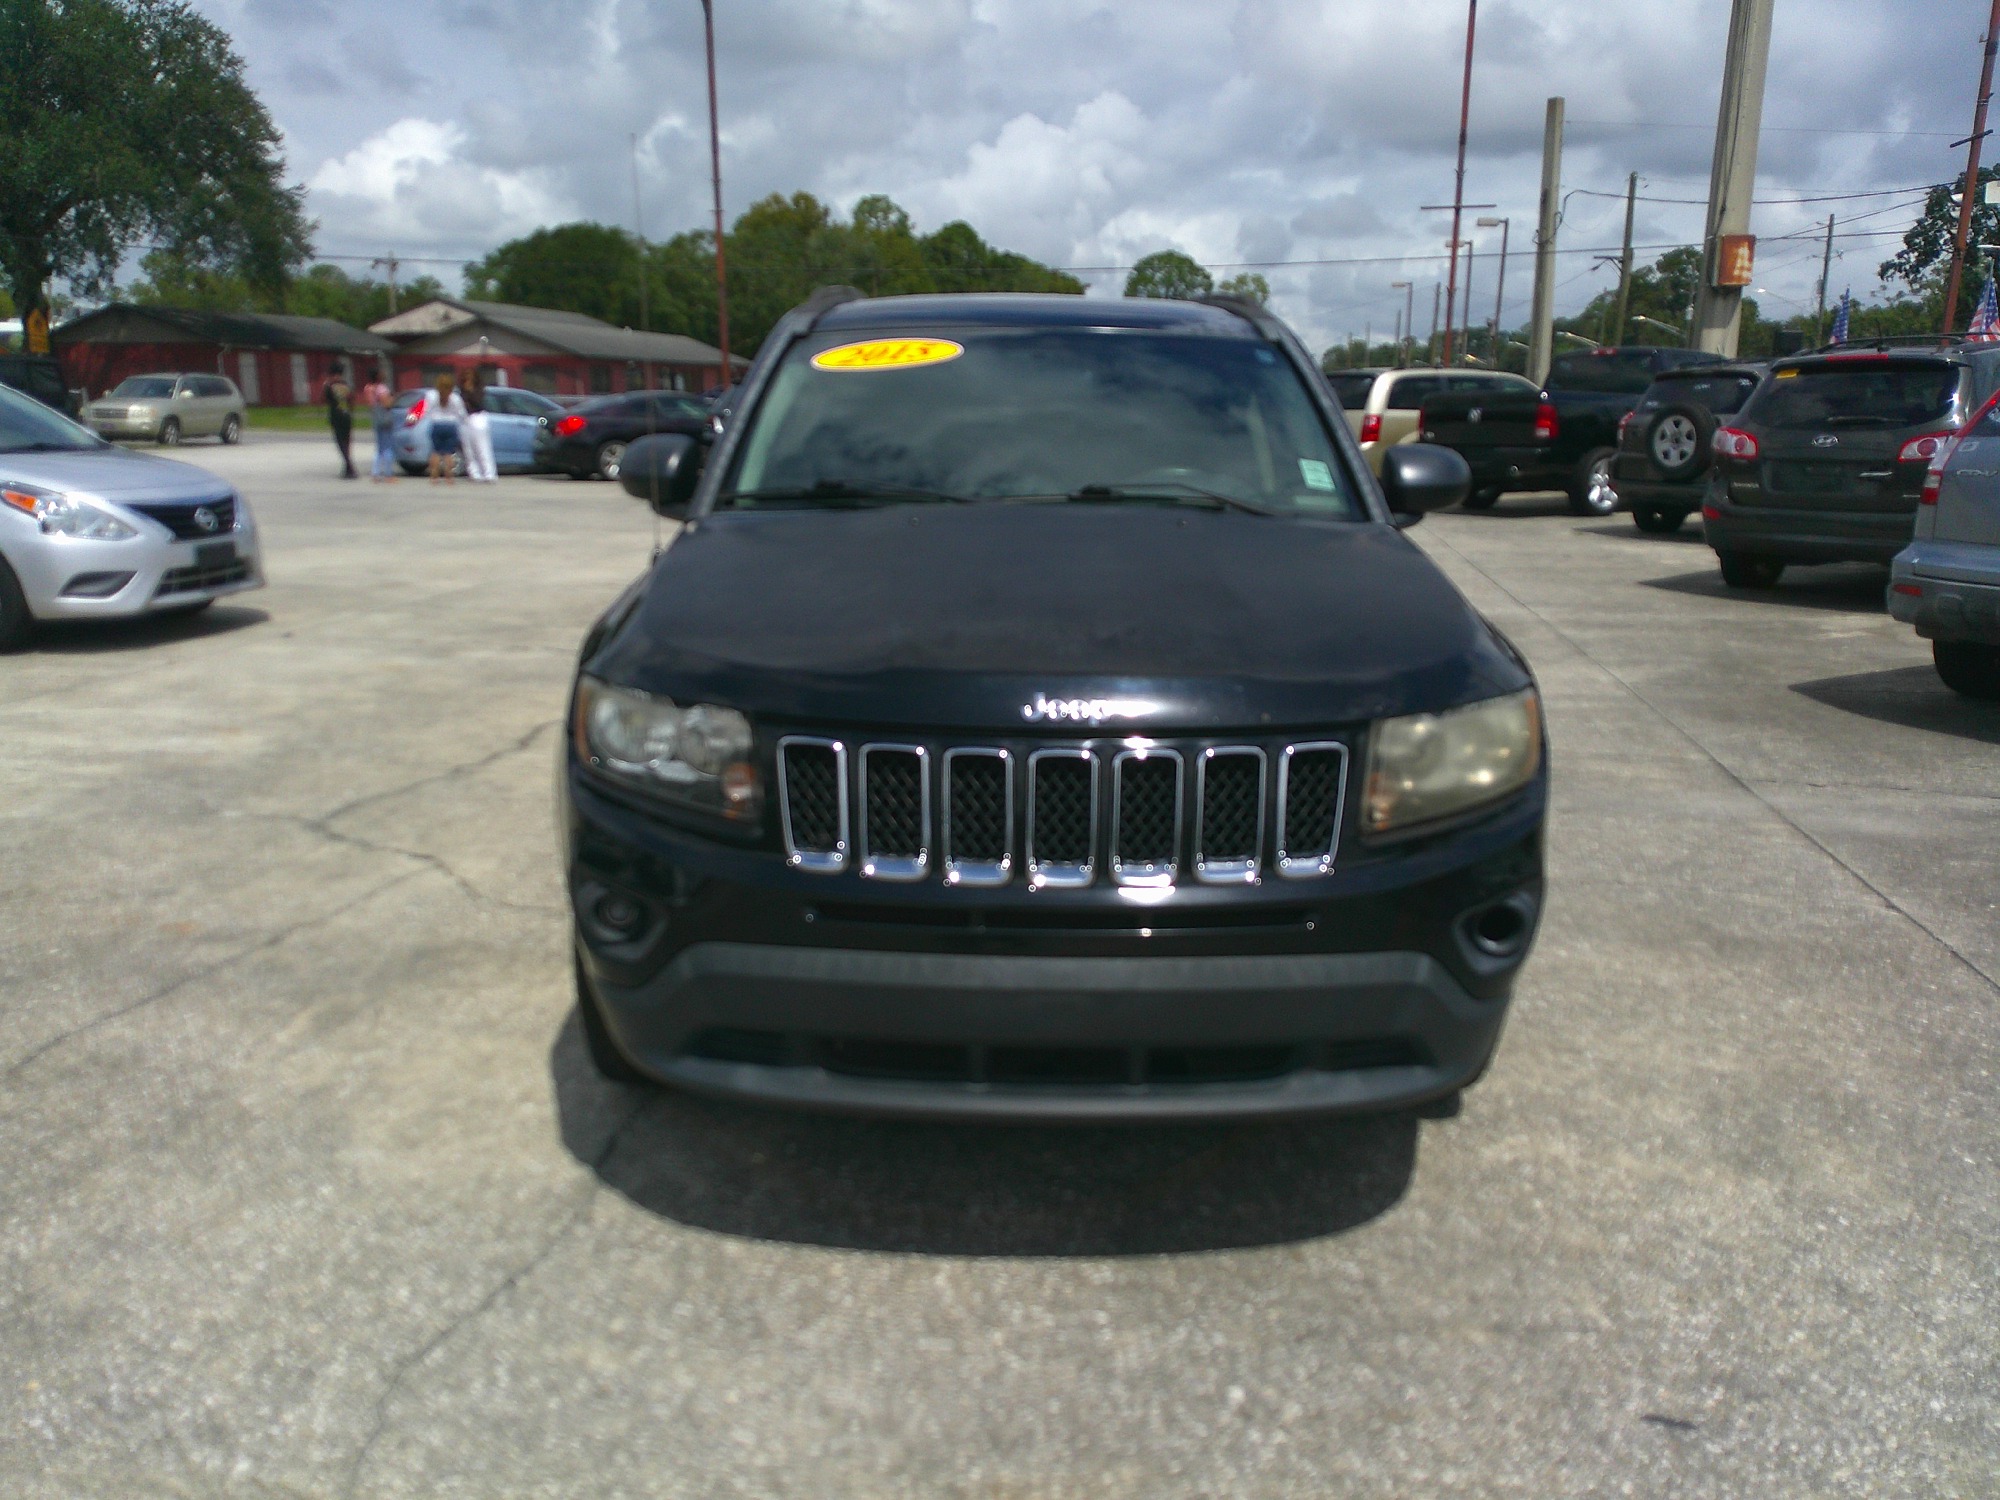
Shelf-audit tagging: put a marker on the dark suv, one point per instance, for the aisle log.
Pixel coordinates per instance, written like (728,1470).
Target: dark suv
(589,441)
(1667,441)
(1825,463)
(1041,714)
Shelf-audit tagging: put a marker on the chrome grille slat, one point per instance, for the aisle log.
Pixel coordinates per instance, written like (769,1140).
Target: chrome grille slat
(895,812)
(977,839)
(1146,797)
(1312,793)
(1062,818)
(1229,818)
(812,802)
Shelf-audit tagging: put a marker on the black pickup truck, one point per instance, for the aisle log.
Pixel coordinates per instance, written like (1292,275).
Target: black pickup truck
(1562,439)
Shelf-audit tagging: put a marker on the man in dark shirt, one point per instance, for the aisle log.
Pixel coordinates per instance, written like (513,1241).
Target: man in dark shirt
(340,415)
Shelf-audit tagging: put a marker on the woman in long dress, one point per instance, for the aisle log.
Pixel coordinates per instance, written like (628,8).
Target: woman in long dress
(478,435)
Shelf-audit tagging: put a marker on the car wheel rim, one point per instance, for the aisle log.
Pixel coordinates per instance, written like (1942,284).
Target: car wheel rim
(1599,495)
(608,459)
(1674,442)
(170,435)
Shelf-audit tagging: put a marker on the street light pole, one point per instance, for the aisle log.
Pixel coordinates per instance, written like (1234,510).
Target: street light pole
(715,169)
(1500,289)
(1409,291)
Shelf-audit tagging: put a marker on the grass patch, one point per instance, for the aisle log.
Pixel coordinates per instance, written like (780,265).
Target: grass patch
(286,419)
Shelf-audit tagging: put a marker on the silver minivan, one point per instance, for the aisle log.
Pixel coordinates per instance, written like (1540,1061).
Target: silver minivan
(1947,581)
(165,409)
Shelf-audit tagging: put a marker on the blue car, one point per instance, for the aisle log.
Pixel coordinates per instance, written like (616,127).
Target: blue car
(512,415)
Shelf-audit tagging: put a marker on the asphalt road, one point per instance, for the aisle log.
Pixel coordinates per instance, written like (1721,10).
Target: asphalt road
(307,1190)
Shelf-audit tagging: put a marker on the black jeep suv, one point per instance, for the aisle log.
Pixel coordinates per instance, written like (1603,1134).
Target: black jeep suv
(1825,463)
(1042,715)
(1666,443)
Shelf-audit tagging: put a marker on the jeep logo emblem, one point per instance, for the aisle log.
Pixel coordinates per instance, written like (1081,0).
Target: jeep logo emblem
(207,520)
(1085,710)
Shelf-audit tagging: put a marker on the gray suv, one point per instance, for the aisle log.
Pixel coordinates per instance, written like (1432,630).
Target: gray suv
(1947,581)
(165,409)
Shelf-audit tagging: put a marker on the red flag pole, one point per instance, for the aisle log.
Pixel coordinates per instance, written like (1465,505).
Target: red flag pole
(1458,191)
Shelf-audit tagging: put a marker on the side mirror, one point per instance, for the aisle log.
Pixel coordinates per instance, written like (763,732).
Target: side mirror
(662,469)
(1418,478)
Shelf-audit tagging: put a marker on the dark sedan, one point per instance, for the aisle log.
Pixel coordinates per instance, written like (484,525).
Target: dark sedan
(589,441)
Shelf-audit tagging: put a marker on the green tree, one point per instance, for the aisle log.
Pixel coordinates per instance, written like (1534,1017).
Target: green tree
(1247,285)
(1928,243)
(583,267)
(1168,273)
(127,120)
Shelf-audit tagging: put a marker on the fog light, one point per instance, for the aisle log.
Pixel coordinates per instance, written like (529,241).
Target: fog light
(1501,930)
(619,914)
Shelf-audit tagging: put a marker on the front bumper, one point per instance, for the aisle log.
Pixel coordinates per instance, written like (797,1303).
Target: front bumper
(147,427)
(1359,990)
(1957,594)
(60,576)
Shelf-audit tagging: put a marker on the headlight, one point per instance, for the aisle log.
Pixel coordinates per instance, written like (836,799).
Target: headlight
(1429,766)
(698,755)
(65,515)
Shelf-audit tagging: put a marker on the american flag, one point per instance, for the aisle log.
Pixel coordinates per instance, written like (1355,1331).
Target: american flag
(1840,317)
(1985,325)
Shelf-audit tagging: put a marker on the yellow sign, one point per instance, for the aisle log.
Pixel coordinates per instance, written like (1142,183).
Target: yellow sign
(887,354)
(36,329)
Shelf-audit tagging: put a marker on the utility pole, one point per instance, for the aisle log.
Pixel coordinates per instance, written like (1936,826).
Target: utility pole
(1825,270)
(1719,309)
(639,229)
(1974,147)
(1465,340)
(390,263)
(1409,291)
(1500,288)
(1367,339)
(1431,349)
(715,169)
(1625,260)
(1458,189)
(1542,321)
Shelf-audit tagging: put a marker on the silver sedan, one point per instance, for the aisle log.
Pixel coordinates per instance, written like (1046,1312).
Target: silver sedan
(91,531)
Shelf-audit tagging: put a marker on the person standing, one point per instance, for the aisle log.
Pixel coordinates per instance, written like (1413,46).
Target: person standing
(478,435)
(340,416)
(378,398)
(447,416)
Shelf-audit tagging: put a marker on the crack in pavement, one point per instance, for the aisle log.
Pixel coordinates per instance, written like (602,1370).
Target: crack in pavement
(1748,787)
(262,945)
(573,1220)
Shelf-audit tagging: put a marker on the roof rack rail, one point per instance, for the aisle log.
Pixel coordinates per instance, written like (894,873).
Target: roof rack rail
(1895,341)
(824,300)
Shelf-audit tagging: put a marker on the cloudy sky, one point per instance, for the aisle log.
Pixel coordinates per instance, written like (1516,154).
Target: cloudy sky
(1301,132)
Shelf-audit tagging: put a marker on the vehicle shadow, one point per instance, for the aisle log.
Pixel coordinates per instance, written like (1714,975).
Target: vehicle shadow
(1851,588)
(1689,534)
(1911,697)
(85,637)
(1515,507)
(974,1190)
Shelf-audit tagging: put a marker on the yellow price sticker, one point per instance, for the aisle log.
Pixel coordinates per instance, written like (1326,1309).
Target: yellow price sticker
(887,354)
(1788,375)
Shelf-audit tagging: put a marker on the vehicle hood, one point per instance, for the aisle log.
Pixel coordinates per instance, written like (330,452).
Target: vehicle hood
(968,616)
(114,474)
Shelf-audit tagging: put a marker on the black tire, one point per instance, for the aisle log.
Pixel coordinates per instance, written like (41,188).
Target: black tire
(1679,440)
(579,473)
(1741,572)
(1590,488)
(1968,667)
(232,430)
(604,1054)
(1484,499)
(15,620)
(609,455)
(170,433)
(1657,520)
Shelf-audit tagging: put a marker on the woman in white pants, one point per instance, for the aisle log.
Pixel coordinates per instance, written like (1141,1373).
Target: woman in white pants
(478,435)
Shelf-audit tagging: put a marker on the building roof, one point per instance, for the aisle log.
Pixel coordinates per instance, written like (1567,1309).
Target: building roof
(235,330)
(566,332)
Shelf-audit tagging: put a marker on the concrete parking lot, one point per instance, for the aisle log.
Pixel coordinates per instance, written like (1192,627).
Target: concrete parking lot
(309,1190)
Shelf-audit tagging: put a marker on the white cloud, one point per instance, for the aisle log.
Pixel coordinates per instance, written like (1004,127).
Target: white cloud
(412,185)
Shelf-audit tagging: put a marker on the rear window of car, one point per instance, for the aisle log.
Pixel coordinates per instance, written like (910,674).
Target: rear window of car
(1722,394)
(1412,391)
(1863,395)
(146,387)
(1607,372)
(1352,390)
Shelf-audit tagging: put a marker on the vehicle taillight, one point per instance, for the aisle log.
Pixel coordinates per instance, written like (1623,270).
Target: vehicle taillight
(1734,442)
(1933,482)
(1921,450)
(416,412)
(1547,423)
(569,426)
(1371,428)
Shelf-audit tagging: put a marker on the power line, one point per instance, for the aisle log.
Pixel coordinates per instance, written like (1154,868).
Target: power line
(1766,130)
(1766,202)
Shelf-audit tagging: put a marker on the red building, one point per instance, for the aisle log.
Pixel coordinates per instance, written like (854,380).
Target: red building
(556,353)
(274,358)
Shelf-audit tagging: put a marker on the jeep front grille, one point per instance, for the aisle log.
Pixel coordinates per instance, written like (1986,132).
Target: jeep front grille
(1062,816)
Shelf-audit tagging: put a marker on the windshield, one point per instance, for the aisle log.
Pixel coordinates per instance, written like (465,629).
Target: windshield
(145,385)
(27,426)
(1857,396)
(1018,413)
(1721,394)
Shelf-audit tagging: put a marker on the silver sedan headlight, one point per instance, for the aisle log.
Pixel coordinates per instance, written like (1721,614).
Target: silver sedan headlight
(66,515)
(1428,766)
(698,755)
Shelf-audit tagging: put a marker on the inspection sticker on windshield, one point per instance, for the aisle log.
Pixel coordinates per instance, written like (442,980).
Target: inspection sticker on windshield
(887,354)
(1316,474)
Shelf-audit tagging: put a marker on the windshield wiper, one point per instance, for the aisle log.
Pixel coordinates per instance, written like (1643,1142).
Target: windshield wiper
(1167,489)
(838,493)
